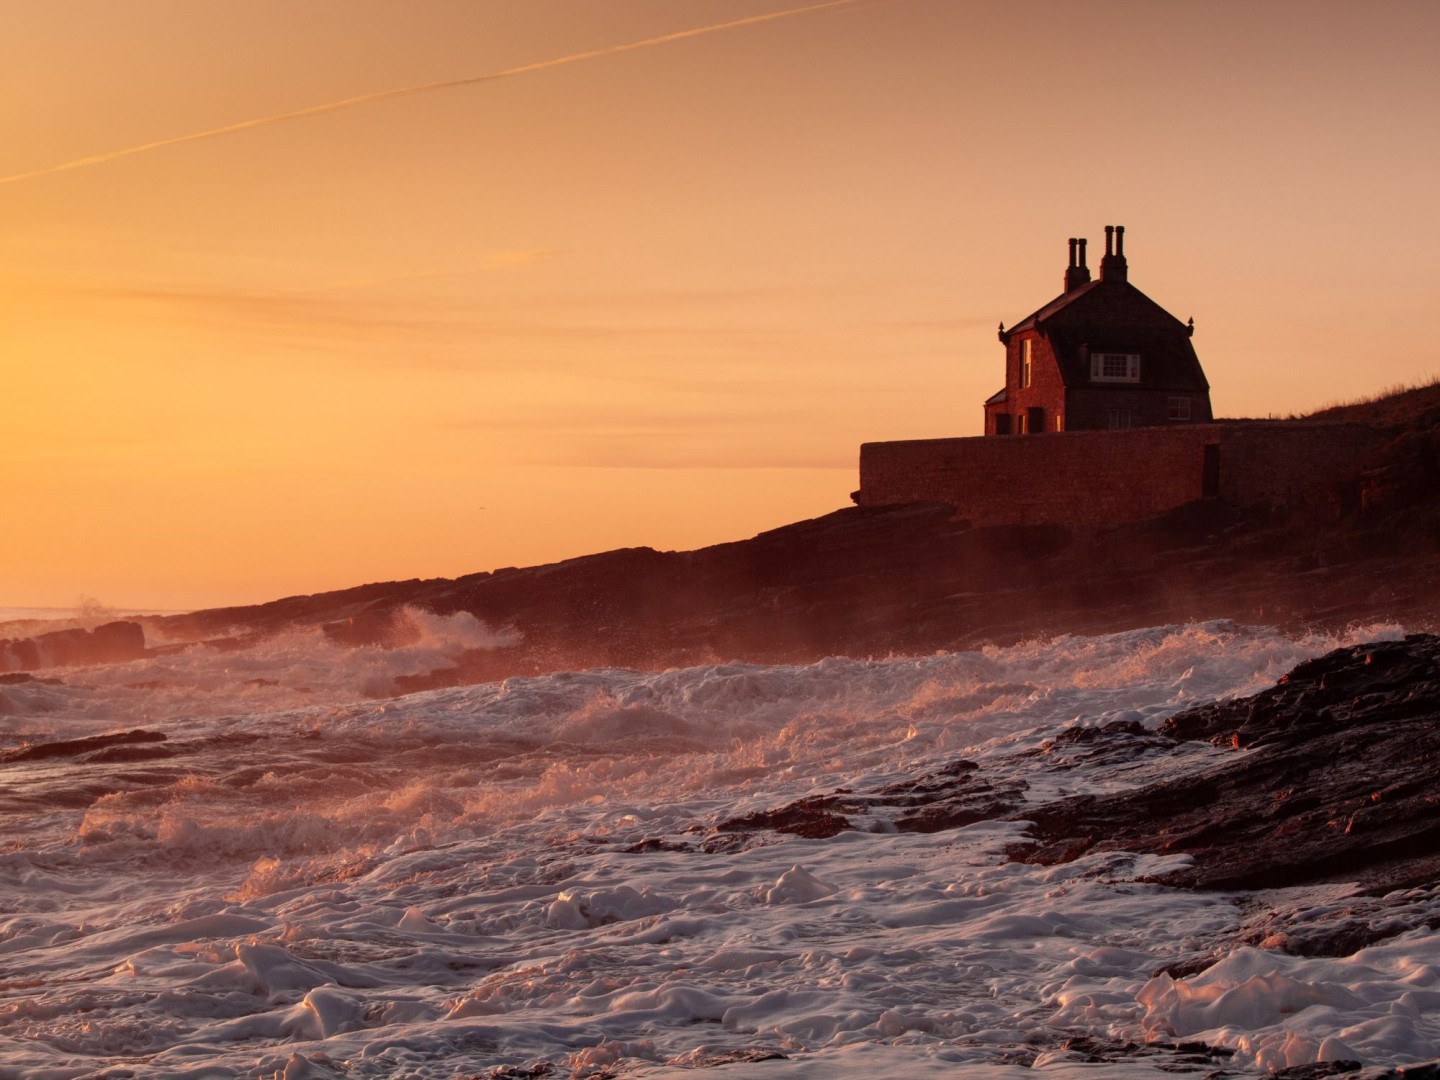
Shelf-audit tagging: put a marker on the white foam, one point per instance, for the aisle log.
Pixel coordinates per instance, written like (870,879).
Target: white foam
(316,884)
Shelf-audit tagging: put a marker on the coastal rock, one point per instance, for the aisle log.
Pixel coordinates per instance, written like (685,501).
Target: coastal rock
(1335,776)
(892,581)
(110,643)
(947,798)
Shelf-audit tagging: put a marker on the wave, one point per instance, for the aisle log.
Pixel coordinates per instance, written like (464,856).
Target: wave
(305,881)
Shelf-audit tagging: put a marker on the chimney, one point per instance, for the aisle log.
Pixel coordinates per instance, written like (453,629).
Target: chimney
(1077,273)
(1113,267)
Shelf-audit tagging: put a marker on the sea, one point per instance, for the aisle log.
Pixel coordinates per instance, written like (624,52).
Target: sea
(307,879)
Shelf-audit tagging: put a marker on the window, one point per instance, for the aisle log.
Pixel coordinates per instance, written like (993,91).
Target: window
(1002,423)
(1025,367)
(1020,421)
(1059,422)
(1179,408)
(1119,418)
(1114,367)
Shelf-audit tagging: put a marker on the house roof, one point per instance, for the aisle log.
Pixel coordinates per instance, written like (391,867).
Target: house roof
(1114,316)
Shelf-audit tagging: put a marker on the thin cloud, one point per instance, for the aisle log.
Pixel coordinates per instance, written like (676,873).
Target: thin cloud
(621,453)
(498,261)
(329,315)
(420,88)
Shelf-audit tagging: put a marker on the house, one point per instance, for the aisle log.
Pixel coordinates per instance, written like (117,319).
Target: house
(1101,355)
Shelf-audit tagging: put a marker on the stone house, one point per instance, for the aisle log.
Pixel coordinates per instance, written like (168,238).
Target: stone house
(1101,356)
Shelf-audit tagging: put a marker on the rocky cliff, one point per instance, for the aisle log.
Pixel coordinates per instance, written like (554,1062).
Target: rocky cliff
(1364,548)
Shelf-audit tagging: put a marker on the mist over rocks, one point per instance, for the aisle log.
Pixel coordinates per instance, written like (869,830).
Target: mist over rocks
(903,580)
(908,580)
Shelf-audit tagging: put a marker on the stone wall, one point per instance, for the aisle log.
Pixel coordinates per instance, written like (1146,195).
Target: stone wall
(1097,478)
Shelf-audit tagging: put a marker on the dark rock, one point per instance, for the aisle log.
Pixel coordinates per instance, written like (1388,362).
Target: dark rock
(112,643)
(521,1072)
(656,843)
(810,818)
(1340,781)
(948,798)
(1118,741)
(1429,1070)
(1317,1071)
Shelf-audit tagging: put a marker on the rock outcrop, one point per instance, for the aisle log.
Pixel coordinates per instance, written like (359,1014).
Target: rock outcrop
(912,579)
(111,643)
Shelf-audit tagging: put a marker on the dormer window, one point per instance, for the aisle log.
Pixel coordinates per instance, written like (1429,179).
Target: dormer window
(1114,367)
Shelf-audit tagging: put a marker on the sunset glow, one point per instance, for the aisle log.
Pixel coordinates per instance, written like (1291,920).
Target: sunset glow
(296,297)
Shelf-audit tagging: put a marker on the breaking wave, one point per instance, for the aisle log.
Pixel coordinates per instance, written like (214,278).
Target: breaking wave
(281,876)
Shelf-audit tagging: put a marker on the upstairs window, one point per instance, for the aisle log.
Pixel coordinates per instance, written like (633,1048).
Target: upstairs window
(1179,408)
(1114,367)
(1025,367)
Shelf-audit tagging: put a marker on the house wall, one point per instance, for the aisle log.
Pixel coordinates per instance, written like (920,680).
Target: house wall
(1098,478)
(1046,389)
(1084,408)
(1089,408)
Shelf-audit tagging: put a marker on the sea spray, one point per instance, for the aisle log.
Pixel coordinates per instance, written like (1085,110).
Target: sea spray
(528,874)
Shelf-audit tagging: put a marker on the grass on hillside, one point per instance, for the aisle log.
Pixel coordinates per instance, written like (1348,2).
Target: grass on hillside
(1395,406)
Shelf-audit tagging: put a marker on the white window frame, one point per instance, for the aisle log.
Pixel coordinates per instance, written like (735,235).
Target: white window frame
(1128,363)
(1178,409)
(1119,419)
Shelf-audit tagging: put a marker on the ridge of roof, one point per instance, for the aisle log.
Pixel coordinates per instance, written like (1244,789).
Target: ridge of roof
(1061,301)
(1067,300)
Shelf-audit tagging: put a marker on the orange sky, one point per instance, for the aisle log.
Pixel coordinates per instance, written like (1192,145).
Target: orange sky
(655,296)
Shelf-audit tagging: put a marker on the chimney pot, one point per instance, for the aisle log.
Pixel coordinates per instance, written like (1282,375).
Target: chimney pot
(1076,274)
(1113,267)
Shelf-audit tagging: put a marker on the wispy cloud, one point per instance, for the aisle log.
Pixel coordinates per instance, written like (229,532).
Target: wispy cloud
(625,451)
(498,261)
(420,88)
(329,317)
(369,312)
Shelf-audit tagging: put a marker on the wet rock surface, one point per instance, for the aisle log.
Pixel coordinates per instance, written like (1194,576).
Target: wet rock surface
(944,799)
(1334,776)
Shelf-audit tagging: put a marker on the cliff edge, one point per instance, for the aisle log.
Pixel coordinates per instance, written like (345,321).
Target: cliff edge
(1362,547)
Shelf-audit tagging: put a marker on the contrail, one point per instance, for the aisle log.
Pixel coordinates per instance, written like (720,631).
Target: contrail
(421,88)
